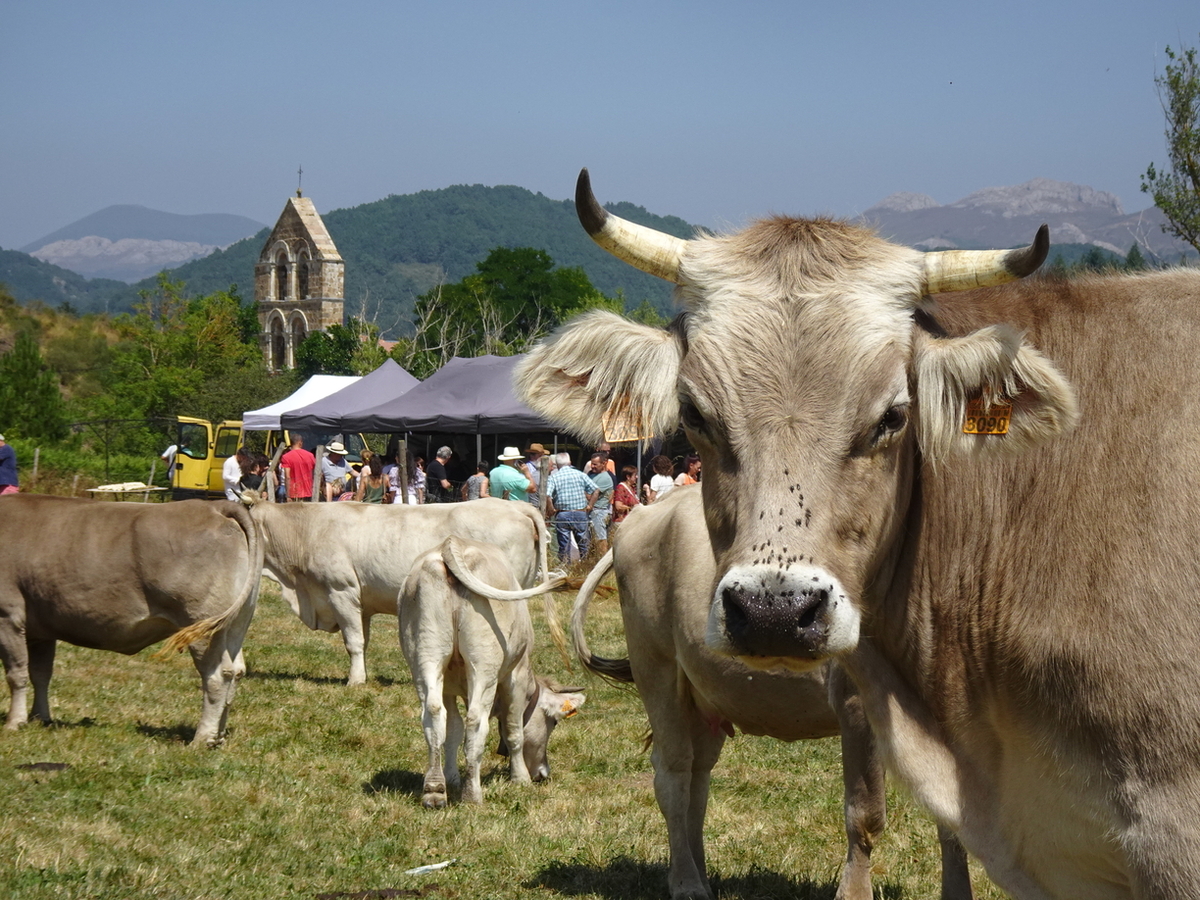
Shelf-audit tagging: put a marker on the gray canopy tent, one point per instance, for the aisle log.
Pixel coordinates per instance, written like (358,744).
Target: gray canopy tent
(333,413)
(465,396)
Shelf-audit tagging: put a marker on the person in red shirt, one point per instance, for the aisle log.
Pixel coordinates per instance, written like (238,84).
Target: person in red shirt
(298,465)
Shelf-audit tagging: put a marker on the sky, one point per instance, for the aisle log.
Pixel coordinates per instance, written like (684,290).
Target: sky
(716,112)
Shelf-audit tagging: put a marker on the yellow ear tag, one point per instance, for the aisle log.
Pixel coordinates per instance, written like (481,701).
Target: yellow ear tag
(982,419)
(568,710)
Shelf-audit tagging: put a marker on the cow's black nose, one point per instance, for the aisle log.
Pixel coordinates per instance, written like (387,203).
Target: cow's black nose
(789,622)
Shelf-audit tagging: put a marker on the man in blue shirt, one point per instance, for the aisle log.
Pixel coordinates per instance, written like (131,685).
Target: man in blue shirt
(508,478)
(571,496)
(8,468)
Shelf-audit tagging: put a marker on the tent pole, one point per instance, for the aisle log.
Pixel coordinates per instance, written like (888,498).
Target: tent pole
(639,468)
(478,447)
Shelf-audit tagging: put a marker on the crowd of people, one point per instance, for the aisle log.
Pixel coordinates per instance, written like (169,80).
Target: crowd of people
(582,505)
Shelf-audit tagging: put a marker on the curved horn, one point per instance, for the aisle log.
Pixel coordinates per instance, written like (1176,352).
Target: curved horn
(643,248)
(960,270)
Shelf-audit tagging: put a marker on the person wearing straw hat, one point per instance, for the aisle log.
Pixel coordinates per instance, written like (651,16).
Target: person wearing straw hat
(508,479)
(533,454)
(334,470)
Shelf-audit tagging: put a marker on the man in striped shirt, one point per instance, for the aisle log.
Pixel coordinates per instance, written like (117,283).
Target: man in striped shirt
(572,495)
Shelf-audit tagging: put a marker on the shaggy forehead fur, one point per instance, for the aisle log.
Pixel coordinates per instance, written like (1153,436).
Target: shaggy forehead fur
(820,267)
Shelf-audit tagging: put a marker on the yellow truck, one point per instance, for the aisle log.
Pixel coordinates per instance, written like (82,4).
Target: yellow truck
(202,447)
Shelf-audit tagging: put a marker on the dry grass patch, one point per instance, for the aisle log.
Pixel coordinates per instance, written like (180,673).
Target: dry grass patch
(317,791)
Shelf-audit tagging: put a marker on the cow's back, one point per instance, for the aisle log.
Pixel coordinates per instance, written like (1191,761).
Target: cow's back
(665,572)
(118,576)
(373,547)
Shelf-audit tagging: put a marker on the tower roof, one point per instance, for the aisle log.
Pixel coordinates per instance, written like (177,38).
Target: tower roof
(300,219)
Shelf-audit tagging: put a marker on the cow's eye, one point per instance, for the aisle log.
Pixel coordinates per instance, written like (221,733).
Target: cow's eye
(690,416)
(893,420)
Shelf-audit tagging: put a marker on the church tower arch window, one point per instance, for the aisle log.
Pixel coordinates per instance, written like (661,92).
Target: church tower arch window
(303,267)
(281,276)
(298,331)
(277,343)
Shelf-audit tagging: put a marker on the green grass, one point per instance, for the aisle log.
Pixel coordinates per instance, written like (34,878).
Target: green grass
(317,792)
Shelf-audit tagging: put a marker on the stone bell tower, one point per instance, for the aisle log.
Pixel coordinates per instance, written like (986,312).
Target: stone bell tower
(299,282)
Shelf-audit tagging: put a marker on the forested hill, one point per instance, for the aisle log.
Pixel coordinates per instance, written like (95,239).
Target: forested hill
(399,247)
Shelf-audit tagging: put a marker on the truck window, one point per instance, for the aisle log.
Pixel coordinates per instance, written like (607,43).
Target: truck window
(193,440)
(227,442)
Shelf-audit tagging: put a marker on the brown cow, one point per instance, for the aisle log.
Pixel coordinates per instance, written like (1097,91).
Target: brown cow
(694,696)
(1018,609)
(120,576)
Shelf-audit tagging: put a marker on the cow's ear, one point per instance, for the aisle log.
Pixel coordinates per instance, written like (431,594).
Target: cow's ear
(982,375)
(601,372)
(564,706)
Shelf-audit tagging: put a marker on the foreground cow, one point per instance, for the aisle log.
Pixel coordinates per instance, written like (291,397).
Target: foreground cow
(694,697)
(1018,610)
(120,576)
(339,564)
(460,643)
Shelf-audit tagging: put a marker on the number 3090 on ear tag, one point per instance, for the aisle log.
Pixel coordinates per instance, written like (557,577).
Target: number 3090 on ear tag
(987,419)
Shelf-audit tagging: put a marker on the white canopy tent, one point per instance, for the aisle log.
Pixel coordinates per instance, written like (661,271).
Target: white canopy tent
(316,388)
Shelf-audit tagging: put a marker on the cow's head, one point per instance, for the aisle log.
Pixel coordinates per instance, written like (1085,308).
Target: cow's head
(800,370)
(548,706)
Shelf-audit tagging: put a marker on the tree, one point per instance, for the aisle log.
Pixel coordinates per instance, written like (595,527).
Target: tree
(350,349)
(1177,191)
(31,403)
(1135,261)
(514,298)
(169,353)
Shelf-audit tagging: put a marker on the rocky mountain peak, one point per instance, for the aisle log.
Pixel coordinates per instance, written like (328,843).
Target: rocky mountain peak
(1041,197)
(903,201)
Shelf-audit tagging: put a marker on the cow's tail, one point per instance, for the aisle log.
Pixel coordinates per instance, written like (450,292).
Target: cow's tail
(206,628)
(460,570)
(612,669)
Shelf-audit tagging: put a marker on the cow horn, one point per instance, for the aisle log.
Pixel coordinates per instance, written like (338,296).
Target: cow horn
(643,248)
(960,270)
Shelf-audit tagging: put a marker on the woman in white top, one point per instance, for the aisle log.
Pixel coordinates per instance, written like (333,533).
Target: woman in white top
(660,481)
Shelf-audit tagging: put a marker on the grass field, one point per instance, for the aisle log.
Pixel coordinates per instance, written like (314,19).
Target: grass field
(316,793)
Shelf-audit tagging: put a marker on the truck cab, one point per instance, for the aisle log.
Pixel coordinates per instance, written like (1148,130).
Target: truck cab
(203,448)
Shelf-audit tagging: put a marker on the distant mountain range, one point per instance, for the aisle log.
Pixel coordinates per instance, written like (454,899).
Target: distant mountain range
(129,243)
(399,247)
(1009,216)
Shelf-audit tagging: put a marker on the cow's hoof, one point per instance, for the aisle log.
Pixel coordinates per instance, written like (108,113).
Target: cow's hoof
(434,800)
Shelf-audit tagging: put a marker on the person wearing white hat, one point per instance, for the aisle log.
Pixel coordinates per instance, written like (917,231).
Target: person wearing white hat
(508,479)
(334,470)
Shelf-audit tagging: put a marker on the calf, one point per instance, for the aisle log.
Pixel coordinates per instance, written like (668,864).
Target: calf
(459,643)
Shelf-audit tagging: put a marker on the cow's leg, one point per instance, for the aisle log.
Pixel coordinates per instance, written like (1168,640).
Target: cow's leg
(686,748)
(865,799)
(220,664)
(41,667)
(428,681)
(216,671)
(347,610)
(512,727)
(15,654)
(454,740)
(956,873)
(481,692)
